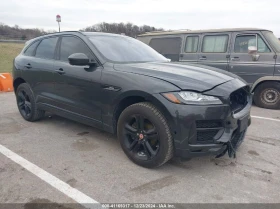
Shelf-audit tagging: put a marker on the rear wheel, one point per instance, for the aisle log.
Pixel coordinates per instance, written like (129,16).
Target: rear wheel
(26,103)
(144,135)
(267,95)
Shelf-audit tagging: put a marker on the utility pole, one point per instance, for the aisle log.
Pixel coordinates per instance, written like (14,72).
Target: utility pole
(58,20)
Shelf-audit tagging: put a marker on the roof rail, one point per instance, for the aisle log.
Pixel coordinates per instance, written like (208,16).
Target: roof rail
(76,31)
(162,31)
(185,31)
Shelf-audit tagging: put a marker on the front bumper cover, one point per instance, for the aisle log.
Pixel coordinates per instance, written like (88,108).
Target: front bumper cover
(231,138)
(184,127)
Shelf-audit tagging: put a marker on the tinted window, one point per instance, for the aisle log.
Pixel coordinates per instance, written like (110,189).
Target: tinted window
(215,44)
(191,44)
(125,49)
(30,50)
(166,45)
(46,48)
(169,47)
(244,41)
(71,45)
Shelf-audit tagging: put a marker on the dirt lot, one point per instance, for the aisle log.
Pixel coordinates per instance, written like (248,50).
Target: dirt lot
(92,162)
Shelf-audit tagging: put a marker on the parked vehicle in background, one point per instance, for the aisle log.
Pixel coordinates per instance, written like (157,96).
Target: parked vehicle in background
(251,53)
(118,84)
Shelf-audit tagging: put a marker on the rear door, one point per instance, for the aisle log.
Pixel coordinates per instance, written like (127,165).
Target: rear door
(25,62)
(214,50)
(40,70)
(77,88)
(190,49)
(242,63)
(170,47)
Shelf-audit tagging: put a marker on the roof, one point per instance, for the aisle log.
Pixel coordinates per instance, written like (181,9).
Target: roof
(51,34)
(100,33)
(76,32)
(156,33)
(72,32)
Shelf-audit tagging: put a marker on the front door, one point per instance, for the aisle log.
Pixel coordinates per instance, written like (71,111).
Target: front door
(214,50)
(77,87)
(243,64)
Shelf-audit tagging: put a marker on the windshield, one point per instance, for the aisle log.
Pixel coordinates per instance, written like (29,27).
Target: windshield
(125,49)
(272,40)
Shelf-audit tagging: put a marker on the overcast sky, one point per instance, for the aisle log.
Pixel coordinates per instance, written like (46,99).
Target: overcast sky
(168,14)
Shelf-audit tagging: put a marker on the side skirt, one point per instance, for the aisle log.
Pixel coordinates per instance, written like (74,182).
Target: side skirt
(73,116)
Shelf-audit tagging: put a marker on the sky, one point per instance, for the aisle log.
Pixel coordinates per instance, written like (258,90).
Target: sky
(167,14)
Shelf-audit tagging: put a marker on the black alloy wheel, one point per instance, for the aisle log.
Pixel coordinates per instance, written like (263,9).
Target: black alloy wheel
(26,103)
(141,137)
(144,135)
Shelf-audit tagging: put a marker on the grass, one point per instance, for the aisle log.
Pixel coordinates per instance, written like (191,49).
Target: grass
(8,51)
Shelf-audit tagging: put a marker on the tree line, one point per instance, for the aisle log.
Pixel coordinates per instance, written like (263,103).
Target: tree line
(129,29)
(17,33)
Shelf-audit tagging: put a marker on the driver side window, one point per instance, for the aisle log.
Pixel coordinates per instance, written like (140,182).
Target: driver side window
(71,45)
(242,42)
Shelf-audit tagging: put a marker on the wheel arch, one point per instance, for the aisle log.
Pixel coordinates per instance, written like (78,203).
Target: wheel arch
(17,82)
(134,97)
(264,79)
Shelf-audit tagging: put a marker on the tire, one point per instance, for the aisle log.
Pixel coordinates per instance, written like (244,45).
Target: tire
(267,95)
(150,146)
(26,103)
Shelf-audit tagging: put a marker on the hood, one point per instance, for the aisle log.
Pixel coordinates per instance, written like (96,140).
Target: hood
(186,77)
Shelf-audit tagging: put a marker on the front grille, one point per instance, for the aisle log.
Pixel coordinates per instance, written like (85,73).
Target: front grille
(239,99)
(206,135)
(208,123)
(206,130)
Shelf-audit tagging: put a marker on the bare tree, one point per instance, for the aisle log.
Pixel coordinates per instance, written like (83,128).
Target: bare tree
(128,29)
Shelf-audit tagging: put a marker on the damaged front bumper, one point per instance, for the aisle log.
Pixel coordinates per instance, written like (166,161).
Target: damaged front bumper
(227,140)
(208,130)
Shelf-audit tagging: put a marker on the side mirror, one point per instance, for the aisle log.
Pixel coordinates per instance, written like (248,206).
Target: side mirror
(79,59)
(253,50)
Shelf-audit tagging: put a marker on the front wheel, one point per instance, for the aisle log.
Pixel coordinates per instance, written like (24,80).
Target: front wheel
(144,135)
(267,95)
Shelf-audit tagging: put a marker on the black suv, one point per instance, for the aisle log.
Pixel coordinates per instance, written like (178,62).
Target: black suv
(121,85)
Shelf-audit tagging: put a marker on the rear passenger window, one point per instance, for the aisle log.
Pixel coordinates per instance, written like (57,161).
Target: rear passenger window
(168,47)
(46,48)
(71,45)
(215,44)
(242,42)
(30,50)
(191,44)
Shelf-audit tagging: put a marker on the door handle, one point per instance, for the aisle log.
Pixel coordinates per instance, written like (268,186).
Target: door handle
(60,71)
(235,59)
(203,58)
(28,65)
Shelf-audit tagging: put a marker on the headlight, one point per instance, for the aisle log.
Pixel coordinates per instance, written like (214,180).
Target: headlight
(188,97)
